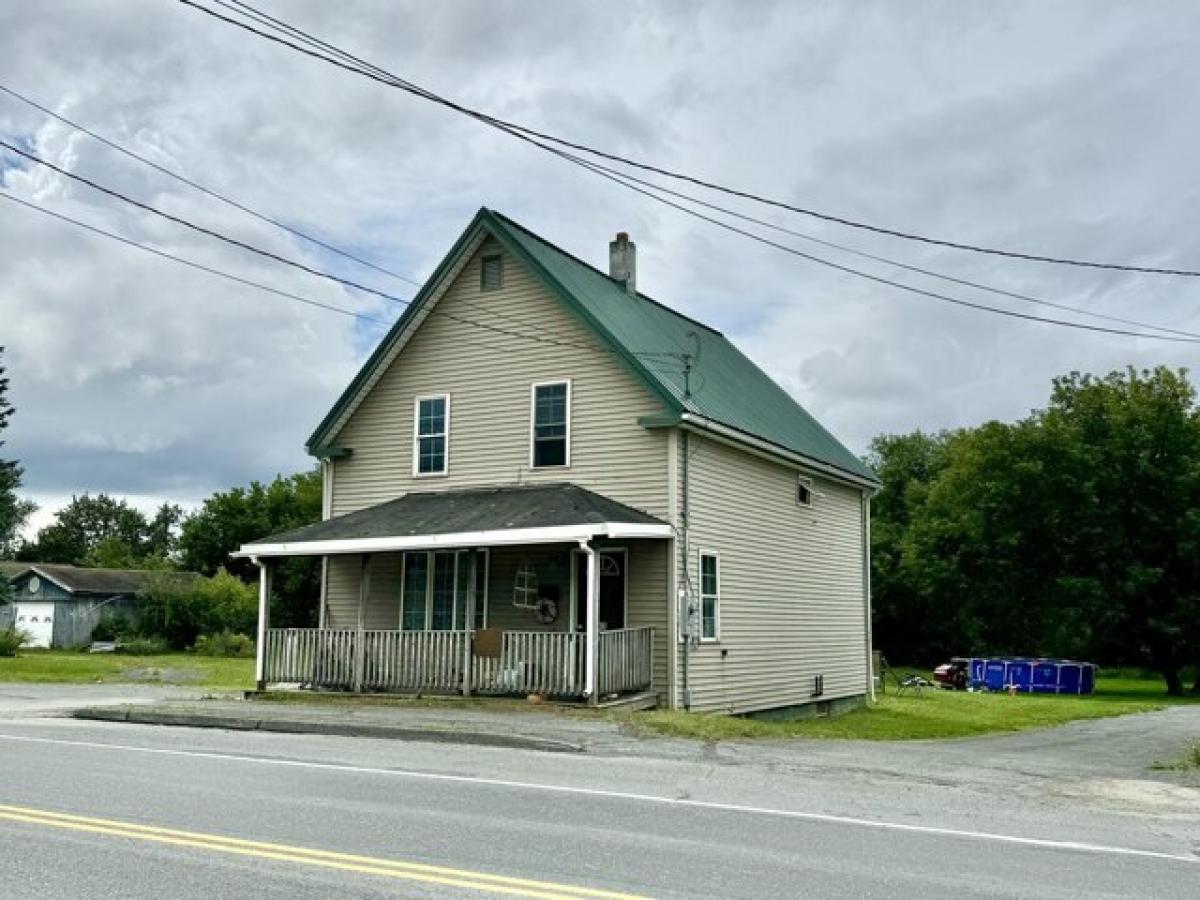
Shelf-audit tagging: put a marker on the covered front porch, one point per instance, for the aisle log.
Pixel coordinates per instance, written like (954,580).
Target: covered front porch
(544,590)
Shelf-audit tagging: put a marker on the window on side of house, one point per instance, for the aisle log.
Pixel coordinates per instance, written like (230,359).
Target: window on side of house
(551,425)
(431,435)
(710,596)
(434,590)
(804,491)
(491,272)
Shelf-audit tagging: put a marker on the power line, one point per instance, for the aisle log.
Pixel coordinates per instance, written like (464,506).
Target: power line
(620,178)
(188,262)
(283,259)
(514,127)
(229,201)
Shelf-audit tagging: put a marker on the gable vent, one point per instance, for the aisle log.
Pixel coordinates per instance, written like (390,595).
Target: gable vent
(491,273)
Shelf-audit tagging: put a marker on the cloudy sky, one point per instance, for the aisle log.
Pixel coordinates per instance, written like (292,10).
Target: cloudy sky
(1068,129)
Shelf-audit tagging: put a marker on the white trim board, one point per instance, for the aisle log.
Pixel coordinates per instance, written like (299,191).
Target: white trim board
(559,534)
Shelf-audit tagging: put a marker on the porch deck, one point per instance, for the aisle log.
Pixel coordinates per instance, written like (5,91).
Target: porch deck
(551,663)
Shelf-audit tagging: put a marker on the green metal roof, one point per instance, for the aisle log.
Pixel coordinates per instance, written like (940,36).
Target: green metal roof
(726,387)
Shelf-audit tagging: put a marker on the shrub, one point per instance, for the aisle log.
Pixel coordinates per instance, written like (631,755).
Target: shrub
(111,627)
(144,646)
(225,643)
(10,641)
(180,609)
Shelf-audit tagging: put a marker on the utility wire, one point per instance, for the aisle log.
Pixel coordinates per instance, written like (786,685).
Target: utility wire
(229,201)
(381,75)
(514,127)
(270,21)
(291,262)
(235,204)
(188,262)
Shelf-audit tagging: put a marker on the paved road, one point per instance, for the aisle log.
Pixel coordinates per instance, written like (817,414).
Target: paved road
(352,817)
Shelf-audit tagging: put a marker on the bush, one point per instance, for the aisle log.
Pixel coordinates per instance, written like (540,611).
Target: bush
(111,627)
(10,641)
(180,609)
(225,643)
(145,646)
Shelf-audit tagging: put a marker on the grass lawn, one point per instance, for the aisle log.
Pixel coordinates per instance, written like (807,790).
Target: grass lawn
(69,666)
(936,714)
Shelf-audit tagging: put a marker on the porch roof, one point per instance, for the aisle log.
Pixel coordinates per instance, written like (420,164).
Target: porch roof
(473,517)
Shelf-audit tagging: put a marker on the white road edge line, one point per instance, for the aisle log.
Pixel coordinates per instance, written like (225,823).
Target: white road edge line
(827,818)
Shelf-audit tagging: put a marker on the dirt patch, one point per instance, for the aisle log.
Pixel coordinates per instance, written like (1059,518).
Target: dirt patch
(166,675)
(1136,795)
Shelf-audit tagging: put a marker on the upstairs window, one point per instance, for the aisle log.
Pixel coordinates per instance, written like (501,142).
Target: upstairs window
(431,432)
(710,596)
(551,437)
(491,273)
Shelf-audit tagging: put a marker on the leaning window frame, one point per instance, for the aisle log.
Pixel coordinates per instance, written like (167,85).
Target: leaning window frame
(416,439)
(805,481)
(700,595)
(533,389)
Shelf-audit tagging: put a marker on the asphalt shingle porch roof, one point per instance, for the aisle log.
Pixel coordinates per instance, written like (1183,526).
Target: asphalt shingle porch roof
(471,510)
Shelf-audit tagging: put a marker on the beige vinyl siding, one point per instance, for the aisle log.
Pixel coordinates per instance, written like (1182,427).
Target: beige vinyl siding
(648,565)
(488,377)
(791,583)
(342,591)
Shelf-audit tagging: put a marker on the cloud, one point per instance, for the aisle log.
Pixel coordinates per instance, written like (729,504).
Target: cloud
(1071,128)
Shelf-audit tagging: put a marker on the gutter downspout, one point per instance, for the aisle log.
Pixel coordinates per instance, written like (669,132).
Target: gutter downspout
(866,577)
(687,561)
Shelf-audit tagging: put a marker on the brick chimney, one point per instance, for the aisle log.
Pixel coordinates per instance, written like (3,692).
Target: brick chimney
(622,261)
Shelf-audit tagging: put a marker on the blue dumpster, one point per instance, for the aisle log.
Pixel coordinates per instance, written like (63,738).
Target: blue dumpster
(1036,676)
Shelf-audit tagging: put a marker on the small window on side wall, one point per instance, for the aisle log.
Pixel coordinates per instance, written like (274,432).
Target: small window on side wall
(710,596)
(804,491)
(431,435)
(491,273)
(551,425)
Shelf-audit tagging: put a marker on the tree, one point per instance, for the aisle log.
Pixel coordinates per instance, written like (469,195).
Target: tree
(1075,531)
(228,519)
(83,525)
(14,512)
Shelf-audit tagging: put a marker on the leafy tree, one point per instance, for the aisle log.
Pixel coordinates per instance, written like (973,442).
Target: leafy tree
(231,518)
(14,512)
(85,524)
(1075,531)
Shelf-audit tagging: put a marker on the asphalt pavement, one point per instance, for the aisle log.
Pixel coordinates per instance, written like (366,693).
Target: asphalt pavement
(101,810)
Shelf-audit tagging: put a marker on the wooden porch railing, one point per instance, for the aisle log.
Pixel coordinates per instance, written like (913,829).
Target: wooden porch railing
(532,662)
(543,662)
(624,660)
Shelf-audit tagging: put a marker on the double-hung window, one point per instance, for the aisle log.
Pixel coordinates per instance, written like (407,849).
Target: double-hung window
(710,596)
(431,435)
(434,592)
(551,425)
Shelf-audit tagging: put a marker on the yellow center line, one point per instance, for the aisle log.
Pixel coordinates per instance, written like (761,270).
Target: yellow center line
(481,881)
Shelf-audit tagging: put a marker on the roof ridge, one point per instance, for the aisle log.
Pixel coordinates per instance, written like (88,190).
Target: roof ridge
(587,265)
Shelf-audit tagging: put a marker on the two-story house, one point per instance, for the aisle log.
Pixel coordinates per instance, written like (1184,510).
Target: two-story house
(544,481)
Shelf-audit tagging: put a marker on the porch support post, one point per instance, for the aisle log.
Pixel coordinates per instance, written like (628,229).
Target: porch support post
(264,622)
(469,624)
(592,614)
(364,591)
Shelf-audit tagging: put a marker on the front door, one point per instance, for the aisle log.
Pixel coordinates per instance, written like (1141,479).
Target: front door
(36,620)
(613,576)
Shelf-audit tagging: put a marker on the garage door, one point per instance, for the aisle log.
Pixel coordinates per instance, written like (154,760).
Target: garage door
(37,621)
